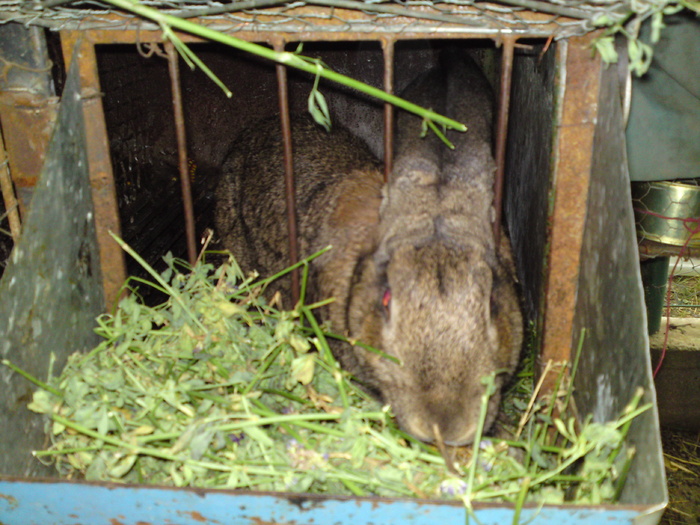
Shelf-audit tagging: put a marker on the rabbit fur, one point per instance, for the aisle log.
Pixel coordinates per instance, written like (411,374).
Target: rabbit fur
(414,267)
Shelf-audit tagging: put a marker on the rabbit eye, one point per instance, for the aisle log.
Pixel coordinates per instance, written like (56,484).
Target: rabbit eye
(386,301)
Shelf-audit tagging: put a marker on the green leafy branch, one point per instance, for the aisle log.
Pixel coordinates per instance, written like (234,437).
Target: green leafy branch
(292,59)
(629,24)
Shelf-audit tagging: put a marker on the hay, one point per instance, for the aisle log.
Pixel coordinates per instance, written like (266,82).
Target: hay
(217,388)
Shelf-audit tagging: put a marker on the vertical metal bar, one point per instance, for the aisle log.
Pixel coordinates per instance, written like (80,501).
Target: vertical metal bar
(502,131)
(285,122)
(174,69)
(104,195)
(8,193)
(388,49)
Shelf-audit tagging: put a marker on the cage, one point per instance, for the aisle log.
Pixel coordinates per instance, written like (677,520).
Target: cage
(565,199)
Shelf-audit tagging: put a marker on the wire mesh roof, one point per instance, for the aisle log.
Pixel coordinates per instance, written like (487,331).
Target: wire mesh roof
(557,18)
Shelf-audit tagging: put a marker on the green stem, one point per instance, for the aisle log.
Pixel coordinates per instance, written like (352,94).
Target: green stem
(33,379)
(521,500)
(364,346)
(574,369)
(169,289)
(264,410)
(262,369)
(489,388)
(55,452)
(267,280)
(328,355)
(283,57)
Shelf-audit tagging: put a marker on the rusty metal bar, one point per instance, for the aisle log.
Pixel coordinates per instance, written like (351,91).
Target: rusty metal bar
(104,194)
(285,123)
(502,132)
(174,70)
(8,193)
(388,51)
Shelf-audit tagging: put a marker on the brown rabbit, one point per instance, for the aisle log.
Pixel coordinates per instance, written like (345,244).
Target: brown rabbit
(414,267)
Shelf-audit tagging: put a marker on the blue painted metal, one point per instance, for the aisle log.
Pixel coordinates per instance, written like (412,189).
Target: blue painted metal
(32,502)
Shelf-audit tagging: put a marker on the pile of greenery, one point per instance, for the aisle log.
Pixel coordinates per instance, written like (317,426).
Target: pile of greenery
(216,387)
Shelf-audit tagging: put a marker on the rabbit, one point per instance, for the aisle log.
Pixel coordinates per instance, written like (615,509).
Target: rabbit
(414,268)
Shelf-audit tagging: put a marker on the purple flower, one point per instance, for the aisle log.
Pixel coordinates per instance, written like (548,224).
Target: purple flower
(485,443)
(236,438)
(453,487)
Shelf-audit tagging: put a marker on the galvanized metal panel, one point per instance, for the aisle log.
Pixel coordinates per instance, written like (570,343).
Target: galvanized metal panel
(50,293)
(610,305)
(27,104)
(26,59)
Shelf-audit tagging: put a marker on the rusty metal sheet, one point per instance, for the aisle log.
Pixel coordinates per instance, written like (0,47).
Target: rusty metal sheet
(104,193)
(51,288)
(27,121)
(579,92)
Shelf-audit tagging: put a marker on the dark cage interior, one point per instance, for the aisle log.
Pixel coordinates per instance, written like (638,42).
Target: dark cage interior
(139,116)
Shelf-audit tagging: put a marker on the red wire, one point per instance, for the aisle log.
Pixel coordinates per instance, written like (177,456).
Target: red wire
(693,227)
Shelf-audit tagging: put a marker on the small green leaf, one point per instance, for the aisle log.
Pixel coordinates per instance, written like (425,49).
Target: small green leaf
(302,369)
(299,343)
(562,429)
(606,47)
(259,435)
(123,466)
(42,402)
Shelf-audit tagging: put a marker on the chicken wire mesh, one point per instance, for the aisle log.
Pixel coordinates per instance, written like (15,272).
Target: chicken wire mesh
(558,18)
(668,212)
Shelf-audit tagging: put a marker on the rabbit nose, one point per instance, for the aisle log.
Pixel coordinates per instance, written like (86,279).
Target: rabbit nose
(456,433)
(441,425)
(452,425)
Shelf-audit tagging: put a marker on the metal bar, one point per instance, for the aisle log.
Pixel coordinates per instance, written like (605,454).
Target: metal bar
(104,194)
(124,34)
(502,132)
(8,194)
(388,50)
(285,123)
(174,69)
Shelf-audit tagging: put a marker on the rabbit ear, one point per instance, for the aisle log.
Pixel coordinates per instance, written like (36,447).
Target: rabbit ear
(469,100)
(418,156)
(416,170)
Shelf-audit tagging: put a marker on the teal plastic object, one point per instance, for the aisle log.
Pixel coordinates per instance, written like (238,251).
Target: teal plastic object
(663,135)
